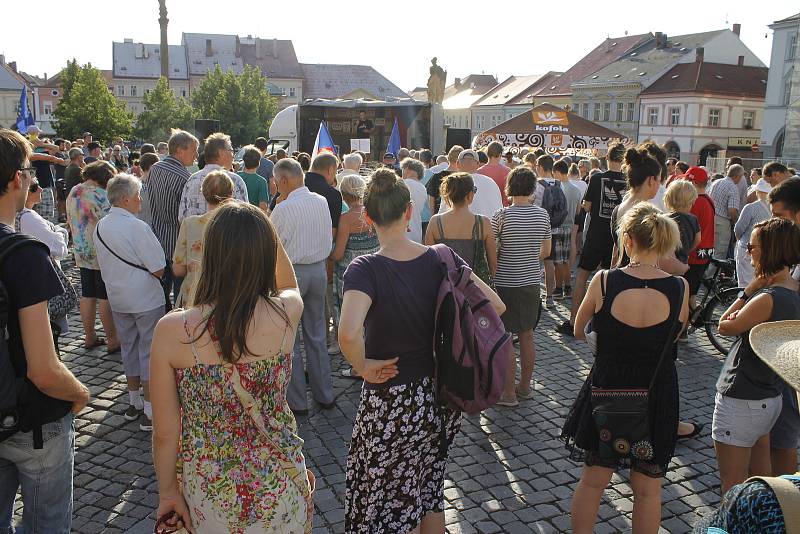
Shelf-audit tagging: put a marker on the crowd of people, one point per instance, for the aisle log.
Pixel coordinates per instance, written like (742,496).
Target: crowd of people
(278,262)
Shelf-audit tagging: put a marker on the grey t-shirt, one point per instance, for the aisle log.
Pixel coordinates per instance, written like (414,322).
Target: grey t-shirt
(574,197)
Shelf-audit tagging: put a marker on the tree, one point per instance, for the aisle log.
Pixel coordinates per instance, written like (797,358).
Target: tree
(162,111)
(88,105)
(241,103)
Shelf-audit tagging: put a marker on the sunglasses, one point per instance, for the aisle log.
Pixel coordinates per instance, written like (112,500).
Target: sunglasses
(750,247)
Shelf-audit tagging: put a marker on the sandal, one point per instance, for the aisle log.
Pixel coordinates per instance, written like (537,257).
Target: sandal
(98,341)
(698,427)
(349,373)
(524,395)
(508,403)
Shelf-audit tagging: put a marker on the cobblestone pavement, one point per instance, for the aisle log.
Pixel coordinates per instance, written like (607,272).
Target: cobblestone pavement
(508,470)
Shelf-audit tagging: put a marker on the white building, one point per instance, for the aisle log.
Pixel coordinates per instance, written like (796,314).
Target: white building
(697,109)
(784,63)
(610,96)
(461,95)
(137,68)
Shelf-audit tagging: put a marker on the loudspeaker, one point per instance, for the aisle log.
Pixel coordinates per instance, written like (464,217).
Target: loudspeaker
(205,127)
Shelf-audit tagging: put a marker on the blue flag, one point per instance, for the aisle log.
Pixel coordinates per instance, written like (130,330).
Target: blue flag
(324,142)
(25,117)
(394,139)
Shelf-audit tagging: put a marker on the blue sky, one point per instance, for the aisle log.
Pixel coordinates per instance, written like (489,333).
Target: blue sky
(397,38)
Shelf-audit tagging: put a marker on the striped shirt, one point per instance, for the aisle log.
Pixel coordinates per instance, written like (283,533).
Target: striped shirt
(520,232)
(303,223)
(725,195)
(164,189)
(192,200)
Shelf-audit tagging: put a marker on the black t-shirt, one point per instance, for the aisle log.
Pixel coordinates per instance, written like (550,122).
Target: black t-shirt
(433,187)
(362,127)
(30,278)
(605,192)
(43,173)
(688,227)
(316,184)
(60,168)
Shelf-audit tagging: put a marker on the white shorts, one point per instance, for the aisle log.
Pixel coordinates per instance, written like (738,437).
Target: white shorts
(741,422)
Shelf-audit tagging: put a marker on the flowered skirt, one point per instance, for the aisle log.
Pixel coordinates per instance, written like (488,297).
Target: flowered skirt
(397,460)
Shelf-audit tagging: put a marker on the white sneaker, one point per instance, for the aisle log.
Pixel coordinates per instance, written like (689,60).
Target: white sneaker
(145,423)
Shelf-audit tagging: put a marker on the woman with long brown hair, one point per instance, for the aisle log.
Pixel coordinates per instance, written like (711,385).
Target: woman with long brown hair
(219,372)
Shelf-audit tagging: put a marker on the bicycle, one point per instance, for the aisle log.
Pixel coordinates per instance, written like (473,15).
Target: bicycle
(721,290)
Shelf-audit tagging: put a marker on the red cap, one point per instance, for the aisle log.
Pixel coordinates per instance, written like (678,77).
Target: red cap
(697,175)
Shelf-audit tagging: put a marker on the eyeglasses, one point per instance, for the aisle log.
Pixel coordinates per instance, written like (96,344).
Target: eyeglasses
(30,170)
(750,247)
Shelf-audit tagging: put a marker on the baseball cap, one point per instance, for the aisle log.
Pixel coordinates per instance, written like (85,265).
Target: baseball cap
(389,155)
(33,129)
(86,133)
(697,175)
(468,154)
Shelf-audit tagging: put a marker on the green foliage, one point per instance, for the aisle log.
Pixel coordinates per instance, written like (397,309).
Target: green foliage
(88,105)
(162,111)
(241,103)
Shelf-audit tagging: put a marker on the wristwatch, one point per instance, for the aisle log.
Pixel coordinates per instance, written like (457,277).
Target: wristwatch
(742,295)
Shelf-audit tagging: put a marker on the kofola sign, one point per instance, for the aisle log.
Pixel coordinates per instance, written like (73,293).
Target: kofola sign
(550,121)
(550,128)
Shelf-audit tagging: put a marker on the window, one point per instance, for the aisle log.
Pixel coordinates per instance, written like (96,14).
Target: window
(183,93)
(631,111)
(596,112)
(674,116)
(713,117)
(607,111)
(620,111)
(787,91)
(121,90)
(48,108)
(133,90)
(585,111)
(790,53)
(748,119)
(292,92)
(652,116)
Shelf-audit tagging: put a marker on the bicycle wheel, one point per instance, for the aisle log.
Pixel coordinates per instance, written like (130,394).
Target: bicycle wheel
(718,304)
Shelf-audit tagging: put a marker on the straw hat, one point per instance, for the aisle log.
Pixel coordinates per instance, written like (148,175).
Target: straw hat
(777,343)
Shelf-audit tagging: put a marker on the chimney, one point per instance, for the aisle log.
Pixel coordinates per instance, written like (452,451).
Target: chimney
(209,51)
(699,54)
(13,66)
(275,48)
(737,29)
(741,61)
(2,59)
(258,48)
(457,83)
(128,40)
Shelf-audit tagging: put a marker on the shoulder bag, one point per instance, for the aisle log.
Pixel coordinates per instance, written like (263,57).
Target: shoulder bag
(622,416)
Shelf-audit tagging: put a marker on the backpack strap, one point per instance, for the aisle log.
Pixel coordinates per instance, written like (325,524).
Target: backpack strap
(440,227)
(788,497)
(446,255)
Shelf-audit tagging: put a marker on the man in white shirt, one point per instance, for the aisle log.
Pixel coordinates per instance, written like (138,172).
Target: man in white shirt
(413,170)
(487,197)
(218,154)
(132,262)
(351,164)
(303,223)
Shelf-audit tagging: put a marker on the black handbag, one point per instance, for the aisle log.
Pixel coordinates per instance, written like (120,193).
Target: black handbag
(62,304)
(164,288)
(621,416)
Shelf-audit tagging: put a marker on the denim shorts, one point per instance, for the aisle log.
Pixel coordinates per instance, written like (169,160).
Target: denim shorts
(741,422)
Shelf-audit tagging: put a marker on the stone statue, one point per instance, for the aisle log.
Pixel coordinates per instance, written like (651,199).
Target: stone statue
(436,83)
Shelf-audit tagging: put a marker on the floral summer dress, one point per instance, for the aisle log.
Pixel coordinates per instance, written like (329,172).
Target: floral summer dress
(234,477)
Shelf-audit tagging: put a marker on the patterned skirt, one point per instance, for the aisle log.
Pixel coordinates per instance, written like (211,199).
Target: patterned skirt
(396,466)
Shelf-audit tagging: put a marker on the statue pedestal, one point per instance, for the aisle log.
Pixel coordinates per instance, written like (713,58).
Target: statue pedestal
(438,132)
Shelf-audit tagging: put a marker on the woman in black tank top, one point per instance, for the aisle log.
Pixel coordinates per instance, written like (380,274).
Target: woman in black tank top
(636,313)
(745,409)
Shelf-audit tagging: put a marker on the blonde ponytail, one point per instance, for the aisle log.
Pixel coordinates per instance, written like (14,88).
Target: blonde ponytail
(650,229)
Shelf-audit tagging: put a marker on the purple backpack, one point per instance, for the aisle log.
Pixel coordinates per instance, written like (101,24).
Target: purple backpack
(473,349)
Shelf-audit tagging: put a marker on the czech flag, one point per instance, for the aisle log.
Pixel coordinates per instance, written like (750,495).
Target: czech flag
(394,140)
(324,142)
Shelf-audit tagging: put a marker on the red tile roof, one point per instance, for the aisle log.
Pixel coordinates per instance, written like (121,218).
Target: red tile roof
(717,78)
(604,54)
